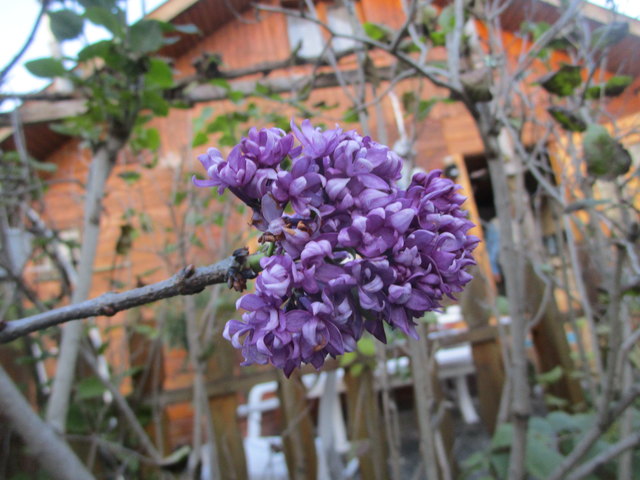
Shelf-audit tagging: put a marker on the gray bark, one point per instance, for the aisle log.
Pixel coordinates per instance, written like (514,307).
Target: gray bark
(101,166)
(50,451)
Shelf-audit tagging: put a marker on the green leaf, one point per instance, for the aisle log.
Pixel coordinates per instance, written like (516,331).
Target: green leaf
(105,18)
(199,139)
(550,377)
(220,82)
(195,241)
(65,24)
(99,49)
(47,67)
(366,346)
(90,387)
(541,460)
(424,108)
(48,167)
(145,139)
(159,74)
(348,358)
(562,422)
(447,19)
(155,102)
(567,119)
(438,38)
(179,197)
(125,240)
(146,36)
(500,464)
(409,101)
(262,89)
(356,369)
(502,437)
(350,116)
(377,32)
(130,176)
(562,82)
(604,156)
(236,96)
(153,139)
(614,87)
(553,401)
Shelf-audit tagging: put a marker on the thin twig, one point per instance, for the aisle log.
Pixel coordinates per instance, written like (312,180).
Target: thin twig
(608,454)
(595,432)
(188,281)
(27,43)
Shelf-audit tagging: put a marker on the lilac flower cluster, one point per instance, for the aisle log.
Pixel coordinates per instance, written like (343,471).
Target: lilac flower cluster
(352,250)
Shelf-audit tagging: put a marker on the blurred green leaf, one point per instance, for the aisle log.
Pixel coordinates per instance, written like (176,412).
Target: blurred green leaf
(502,438)
(104,17)
(99,49)
(348,358)
(614,87)
(179,197)
(155,102)
(356,369)
(567,119)
(541,460)
(438,38)
(424,108)
(200,138)
(90,387)
(65,24)
(350,116)
(605,157)
(562,82)
(366,346)
(376,31)
(145,36)
(48,167)
(47,67)
(129,176)
(159,74)
(236,96)
(552,376)
(221,82)
(447,19)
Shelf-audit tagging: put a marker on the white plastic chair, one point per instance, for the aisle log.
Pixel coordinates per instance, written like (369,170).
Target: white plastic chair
(264,454)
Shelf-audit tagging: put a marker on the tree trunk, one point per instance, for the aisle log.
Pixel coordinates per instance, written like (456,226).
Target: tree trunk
(100,168)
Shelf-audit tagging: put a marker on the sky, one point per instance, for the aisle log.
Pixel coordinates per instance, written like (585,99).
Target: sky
(16,23)
(18,17)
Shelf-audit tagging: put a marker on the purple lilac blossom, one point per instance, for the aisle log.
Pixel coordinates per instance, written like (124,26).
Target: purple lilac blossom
(353,251)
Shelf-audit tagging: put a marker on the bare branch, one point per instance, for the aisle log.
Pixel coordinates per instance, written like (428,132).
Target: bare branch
(188,281)
(24,48)
(610,453)
(591,436)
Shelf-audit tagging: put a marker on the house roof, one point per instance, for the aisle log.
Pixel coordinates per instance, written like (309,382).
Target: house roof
(210,15)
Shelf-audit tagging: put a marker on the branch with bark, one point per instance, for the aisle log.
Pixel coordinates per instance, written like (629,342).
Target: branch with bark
(188,281)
